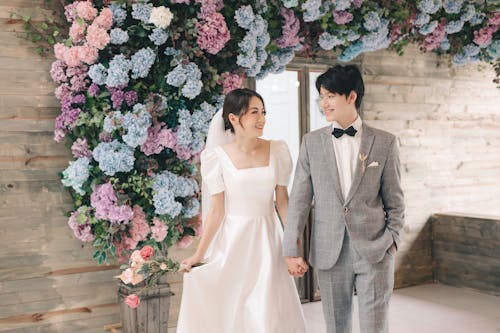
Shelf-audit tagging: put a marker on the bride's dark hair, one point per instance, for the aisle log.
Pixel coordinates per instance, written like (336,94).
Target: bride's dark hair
(236,102)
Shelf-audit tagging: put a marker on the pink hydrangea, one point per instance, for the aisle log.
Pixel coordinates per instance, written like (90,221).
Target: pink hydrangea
(212,33)
(342,17)
(105,19)
(180,1)
(60,50)
(185,241)
(80,148)
(85,10)
(59,135)
(69,11)
(433,40)
(158,138)
(158,230)
(357,3)
(97,37)
(63,91)
(139,229)
(183,153)
(82,231)
(483,37)
(104,200)
(495,19)
(88,54)
(77,31)
(290,31)
(71,57)
(231,81)
(58,71)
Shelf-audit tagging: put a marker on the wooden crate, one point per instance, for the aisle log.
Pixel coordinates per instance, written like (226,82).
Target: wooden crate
(151,316)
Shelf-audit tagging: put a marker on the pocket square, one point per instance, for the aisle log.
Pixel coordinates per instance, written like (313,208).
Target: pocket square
(373,164)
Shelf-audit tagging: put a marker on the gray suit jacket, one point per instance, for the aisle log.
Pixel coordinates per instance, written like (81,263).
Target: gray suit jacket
(373,212)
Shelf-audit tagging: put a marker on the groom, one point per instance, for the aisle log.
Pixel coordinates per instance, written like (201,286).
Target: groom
(352,174)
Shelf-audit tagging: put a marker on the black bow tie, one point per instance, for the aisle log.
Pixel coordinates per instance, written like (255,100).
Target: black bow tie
(338,132)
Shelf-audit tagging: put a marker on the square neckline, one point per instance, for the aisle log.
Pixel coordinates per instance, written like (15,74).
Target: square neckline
(226,155)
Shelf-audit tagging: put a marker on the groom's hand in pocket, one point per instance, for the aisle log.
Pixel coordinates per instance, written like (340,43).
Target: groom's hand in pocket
(297,266)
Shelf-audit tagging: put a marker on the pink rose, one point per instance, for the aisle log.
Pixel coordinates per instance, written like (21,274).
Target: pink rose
(136,258)
(147,252)
(132,301)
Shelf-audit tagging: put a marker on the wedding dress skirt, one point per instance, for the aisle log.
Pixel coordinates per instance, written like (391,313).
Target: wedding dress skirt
(244,287)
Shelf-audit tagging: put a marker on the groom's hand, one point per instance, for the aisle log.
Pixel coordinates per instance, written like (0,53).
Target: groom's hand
(297,266)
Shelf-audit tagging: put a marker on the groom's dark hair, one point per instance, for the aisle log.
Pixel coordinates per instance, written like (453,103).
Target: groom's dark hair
(237,102)
(342,80)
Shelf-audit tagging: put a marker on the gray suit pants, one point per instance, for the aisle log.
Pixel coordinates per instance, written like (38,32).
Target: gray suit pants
(373,282)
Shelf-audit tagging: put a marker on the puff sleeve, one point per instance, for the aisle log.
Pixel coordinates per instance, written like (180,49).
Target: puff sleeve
(211,171)
(284,163)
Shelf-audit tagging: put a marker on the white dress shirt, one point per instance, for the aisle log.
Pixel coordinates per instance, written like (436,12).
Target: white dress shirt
(346,153)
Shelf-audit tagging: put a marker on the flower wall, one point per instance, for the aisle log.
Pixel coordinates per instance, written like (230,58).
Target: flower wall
(139,82)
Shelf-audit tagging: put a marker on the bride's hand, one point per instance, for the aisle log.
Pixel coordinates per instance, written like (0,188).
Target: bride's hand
(188,263)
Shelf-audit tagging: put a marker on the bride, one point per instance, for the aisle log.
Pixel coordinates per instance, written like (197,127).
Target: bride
(244,287)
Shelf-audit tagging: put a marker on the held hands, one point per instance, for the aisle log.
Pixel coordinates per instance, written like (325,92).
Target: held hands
(297,266)
(189,263)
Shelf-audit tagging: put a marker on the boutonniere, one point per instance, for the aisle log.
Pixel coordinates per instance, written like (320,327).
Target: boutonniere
(362,158)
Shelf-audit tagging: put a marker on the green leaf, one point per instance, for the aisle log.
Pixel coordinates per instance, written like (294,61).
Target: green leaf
(26,18)
(44,26)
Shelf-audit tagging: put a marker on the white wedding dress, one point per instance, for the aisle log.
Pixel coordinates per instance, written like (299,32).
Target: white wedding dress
(245,286)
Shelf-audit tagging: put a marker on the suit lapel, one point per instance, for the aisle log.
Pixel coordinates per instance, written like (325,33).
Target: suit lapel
(326,136)
(364,150)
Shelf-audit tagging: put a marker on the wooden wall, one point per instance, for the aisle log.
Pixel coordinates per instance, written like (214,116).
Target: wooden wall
(466,251)
(446,120)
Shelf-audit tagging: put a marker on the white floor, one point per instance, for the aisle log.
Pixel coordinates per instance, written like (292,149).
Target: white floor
(432,308)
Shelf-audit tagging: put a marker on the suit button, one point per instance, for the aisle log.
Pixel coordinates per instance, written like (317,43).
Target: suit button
(346,210)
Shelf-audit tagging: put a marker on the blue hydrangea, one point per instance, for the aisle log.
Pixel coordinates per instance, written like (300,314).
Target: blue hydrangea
(244,16)
(114,157)
(118,36)
(476,19)
(158,36)
(98,73)
(200,120)
(377,40)
(112,121)
(460,59)
(453,27)
(350,35)
(263,40)
(247,60)
(494,49)
(192,88)
(452,6)
(248,44)
(118,71)
(119,13)
(471,50)
(428,28)
(142,61)
(142,11)
(312,10)
(372,21)
(258,26)
(177,76)
(328,41)
(184,133)
(421,19)
(170,51)
(342,4)
(445,44)
(290,3)
(136,123)
(193,71)
(351,52)
(429,6)
(76,174)
(166,187)
(469,13)
(191,209)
